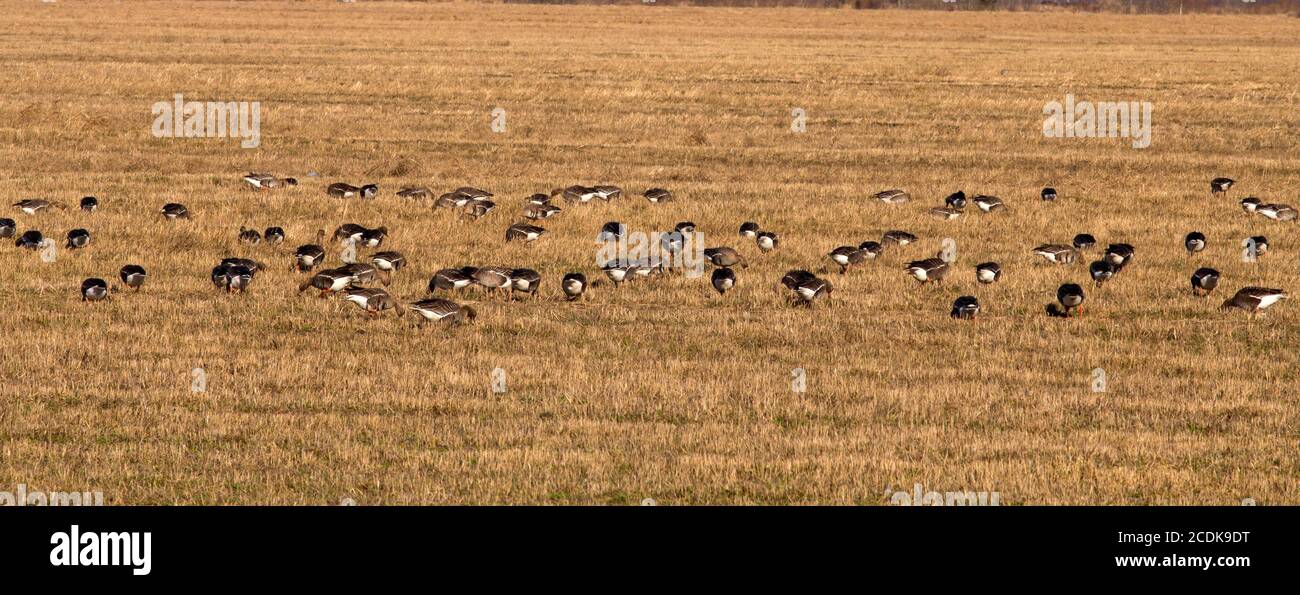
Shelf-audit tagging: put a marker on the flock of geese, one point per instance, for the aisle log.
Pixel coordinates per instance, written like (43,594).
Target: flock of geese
(363,283)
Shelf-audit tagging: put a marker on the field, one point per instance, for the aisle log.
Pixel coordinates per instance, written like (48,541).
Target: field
(658,389)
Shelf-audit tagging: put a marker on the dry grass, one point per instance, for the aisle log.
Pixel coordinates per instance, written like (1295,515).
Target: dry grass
(659,389)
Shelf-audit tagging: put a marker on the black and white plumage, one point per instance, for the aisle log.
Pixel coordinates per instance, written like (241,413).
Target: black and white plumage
(611,231)
(452,279)
(133,276)
(767,240)
(1250,204)
(966,307)
(342,190)
(374,238)
(897,238)
(89,204)
(309,256)
(249,236)
(1071,297)
(175,210)
(988,272)
(1101,272)
(846,256)
(8,228)
(493,278)
(956,201)
(441,310)
(525,281)
(928,270)
(749,229)
(1254,299)
(809,290)
(1057,253)
(1277,212)
(538,211)
(523,232)
(1221,185)
(870,250)
(1204,280)
(1048,194)
(892,197)
(618,272)
(1260,244)
(1119,255)
(78,238)
(349,232)
(94,290)
(577,193)
(372,300)
(792,279)
(723,279)
(724,257)
(31,206)
(263,181)
(658,195)
(1084,241)
(1194,242)
(415,193)
(607,192)
(478,207)
(31,239)
(989,204)
(944,213)
(327,281)
(238,277)
(573,285)
(274,235)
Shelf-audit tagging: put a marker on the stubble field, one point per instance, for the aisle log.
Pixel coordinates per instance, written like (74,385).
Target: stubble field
(659,389)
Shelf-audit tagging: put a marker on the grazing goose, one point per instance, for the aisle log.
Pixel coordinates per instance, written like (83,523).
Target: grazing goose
(892,197)
(440,310)
(391,261)
(308,256)
(723,279)
(1277,212)
(1261,244)
(847,256)
(658,195)
(1057,253)
(89,204)
(897,238)
(576,193)
(965,307)
(328,281)
(1254,299)
(259,181)
(1195,242)
(1119,255)
(1250,204)
(349,232)
(31,240)
(956,200)
(132,276)
(94,290)
(611,231)
(342,190)
(1101,271)
(792,279)
(250,264)
(78,238)
(1204,280)
(749,230)
(219,279)
(672,243)
(1070,296)
(523,232)
(525,281)
(370,191)
(1084,241)
(493,278)
(574,284)
(989,204)
(274,235)
(1048,194)
(870,250)
(451,279)
(809,290)
(451,200)
(238,278)
(618,272)
(767,240)
(1221,185)
(988,272)
(928,270)
(473,193)
(8,228)
(945,213)
(175,210)
(478,207)
(684,227)
(415,192)
(539,199)
(373,238)
(32,206)
(373,301)
(249,236)
(538,211)
(724,257)
(362,273)
(608,193)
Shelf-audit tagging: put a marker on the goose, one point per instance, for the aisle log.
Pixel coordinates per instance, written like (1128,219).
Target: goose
(260,181)
(1084,241)
(648,266)
(539,199)
(892,197)
(473,193)
(451,200)
(1277,212)
(723,279)
(576,193)
(1070,296)
(1057,253)
(618,272)
(956,201)
(94,290)
(361,272)
(792,279)
(238,278)
(415,192)
(78,238)
(1254,299)
(1048,194)
(988,272)
(89,204)
(1194,242)
(132,276)
(1204,280)
(274,235)
(672,243)
(31,240)
(525,281)
(809,290)
(870,250)
(342,190)
(370,191)
(523,232)
(749,230)
(373,238)
(373,300)
(307,256)
(219,279)
(32,206)
(327,281)
(965,307)
(536,211)
(1261,244)
(449,279)
(658,195)
(493,278)
(928,270)
(8,228)
(250,264)
(725,257)
(574,284)
(175,210)
(608,193)
(440,310)
(611,231)
(1250,204)
(478,207)
(249,236)
(989,204)
(1101,272)
(897,238)
(846,256)
(391,261)
(767,240)
(1119,255)
(945,213)
(349,232)
(1221,185)
(684,227)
